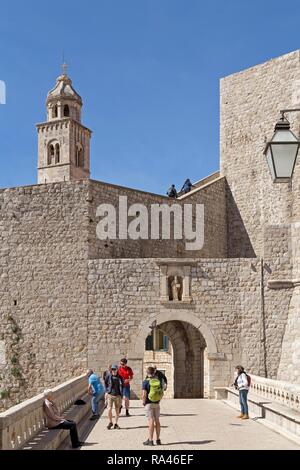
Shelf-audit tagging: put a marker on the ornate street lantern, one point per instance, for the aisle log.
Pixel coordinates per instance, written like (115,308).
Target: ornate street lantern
(281,151)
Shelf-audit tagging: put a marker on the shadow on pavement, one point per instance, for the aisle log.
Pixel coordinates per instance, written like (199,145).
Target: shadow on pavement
(141,427)
(187,442)
(86,444)
(187,414)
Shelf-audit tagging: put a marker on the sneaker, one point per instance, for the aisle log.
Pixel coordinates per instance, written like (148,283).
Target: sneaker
(116,426)
(148,443)
(79,444)
(92,418)
(127,413)
(245,417)
(158,442)
(110,425)
(240,416)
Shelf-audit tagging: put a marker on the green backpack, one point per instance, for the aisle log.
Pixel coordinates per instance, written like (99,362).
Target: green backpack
(156,391)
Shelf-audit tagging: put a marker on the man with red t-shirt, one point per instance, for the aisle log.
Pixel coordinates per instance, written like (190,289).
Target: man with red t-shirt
(126,373)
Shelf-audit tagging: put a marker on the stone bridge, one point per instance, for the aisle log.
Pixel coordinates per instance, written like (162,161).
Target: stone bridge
(186,424)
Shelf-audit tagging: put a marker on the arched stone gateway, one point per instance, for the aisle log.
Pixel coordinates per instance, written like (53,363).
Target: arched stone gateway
(196,360)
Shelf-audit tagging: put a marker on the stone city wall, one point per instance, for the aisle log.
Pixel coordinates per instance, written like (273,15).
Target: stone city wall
(263,217)
(125,294)
(43,288)
(212,196)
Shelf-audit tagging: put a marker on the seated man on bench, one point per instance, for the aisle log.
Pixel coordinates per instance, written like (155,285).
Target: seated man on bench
(54,421)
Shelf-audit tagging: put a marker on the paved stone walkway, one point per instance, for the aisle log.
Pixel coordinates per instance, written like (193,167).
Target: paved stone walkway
(186,425)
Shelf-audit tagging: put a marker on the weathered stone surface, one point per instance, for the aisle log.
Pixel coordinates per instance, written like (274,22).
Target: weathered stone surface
(70,300)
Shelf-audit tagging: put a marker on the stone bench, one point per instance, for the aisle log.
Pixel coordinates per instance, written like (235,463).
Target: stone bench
(51,439)
(276,416)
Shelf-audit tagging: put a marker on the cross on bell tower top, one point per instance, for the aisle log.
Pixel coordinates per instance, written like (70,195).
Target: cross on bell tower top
(64,68)
(64,142)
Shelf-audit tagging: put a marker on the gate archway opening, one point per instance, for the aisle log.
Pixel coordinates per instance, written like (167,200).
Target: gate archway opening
(178,349)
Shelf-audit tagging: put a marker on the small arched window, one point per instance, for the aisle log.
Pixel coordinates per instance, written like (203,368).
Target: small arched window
(66,110)
(79,156)
(51,153)
(57,153)
(54,111)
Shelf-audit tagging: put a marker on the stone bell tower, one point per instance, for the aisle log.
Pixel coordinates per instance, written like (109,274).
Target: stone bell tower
(63,142)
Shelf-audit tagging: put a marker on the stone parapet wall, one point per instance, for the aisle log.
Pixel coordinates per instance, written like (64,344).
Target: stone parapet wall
(212,196)
(24,421)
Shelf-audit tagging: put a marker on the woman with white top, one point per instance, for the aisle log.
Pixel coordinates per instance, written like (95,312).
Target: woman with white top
(242,385)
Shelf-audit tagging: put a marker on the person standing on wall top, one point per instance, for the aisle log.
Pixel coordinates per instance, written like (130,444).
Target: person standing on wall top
(113,396)
(127,375)
(187,186)
(172,192)
(242,384)
(96,389)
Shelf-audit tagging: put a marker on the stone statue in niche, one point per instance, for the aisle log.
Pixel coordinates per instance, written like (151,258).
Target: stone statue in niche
(175,288)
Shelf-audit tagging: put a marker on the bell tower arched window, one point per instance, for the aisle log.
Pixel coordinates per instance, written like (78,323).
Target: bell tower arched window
(54,111)
(53,153)
(79,155)
(66,110)
(57,153)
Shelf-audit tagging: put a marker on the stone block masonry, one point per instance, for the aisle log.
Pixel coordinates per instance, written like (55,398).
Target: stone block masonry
(47,235)
(263,217)
(43,289)
(125,294)
(70,300)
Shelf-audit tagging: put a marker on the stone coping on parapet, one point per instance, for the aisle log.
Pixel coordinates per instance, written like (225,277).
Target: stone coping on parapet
(262,64)
(22,409)
(112,185)
(196,190)
(207,179)
(42,186)
(86,181)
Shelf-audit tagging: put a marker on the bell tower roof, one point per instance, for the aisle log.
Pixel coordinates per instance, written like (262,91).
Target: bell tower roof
(63,89)
(63,141)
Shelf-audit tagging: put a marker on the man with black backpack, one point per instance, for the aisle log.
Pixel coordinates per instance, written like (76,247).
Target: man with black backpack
(242,384)
(152,393)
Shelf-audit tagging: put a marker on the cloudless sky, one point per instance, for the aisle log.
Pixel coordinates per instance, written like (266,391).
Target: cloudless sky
(148,72)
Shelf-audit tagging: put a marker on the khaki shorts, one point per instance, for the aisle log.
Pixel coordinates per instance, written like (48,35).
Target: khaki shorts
(152,410)
(114,400)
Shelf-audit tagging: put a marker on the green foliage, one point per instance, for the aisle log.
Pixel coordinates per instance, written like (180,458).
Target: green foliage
(15,371)
(14,359)
(4,394)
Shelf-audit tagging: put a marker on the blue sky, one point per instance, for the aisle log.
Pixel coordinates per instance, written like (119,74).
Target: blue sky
(148,72)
